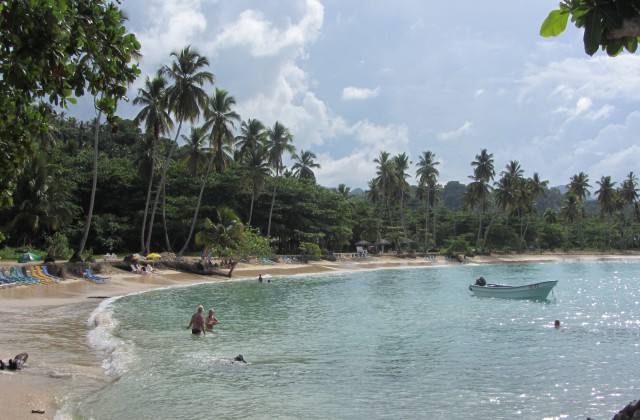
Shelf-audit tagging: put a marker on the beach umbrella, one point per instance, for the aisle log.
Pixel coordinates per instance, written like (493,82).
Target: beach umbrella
(382,243)
(28,256)
(154,256)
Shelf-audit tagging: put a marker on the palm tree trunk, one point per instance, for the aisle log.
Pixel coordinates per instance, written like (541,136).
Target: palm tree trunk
(434,228)
(253,199)
(404,230)
(143,249)
(164,219)
(94,184)
(163,178)
(480,226)
(273,201)
(195,215)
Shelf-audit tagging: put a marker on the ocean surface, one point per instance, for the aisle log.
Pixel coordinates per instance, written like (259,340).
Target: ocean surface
(405,343)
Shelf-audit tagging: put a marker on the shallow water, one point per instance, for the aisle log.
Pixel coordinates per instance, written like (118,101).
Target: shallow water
(407,343)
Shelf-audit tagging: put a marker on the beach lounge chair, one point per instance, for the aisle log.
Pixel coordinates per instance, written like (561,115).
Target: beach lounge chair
(30,272)
(90,275)
(16,274)
(6,280)
(44,270)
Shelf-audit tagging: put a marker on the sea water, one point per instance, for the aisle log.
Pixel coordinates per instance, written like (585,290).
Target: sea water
(392,343)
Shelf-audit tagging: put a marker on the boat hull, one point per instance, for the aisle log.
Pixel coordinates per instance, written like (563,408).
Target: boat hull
(528,291)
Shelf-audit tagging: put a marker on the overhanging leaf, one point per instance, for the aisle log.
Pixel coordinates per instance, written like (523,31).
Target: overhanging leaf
(592,33)
(555,23)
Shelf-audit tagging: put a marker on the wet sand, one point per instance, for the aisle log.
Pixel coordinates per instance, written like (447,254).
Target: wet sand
(24,392)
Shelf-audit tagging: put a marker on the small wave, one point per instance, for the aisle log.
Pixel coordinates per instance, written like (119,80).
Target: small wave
(101,337)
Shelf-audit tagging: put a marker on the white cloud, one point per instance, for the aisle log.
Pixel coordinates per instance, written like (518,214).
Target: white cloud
(356,93)
(464,129)
(264,38)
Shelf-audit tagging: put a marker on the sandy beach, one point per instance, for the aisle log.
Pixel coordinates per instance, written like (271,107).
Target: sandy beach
(24,391)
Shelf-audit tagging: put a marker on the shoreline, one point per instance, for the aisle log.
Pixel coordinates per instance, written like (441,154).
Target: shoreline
(23,392)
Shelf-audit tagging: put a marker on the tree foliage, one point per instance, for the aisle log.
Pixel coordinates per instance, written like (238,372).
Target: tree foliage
(612,25)
(55,51)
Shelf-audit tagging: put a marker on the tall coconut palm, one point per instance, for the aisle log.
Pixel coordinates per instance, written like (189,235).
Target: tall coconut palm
(279,141)
(185,98)
(427,174)
(304,164)
(401,164)
(606,195)
(196,147)
(220,119)
(385,179)
(579,187)
(629,192)
(483,173)
(570,211)
(256,166)
(157,121)
(252,135)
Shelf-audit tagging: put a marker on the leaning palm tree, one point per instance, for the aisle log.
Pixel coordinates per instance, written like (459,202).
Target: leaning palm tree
(304,164)
(427,174)
(483,173)
(157,122)
(220,120)
(278,142)
(185,99)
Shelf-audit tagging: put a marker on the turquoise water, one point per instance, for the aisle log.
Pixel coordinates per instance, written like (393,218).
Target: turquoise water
(409,343)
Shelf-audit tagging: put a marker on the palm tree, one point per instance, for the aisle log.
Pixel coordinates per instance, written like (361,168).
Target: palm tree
(225,233)
(570,211)
(278,141)
(304,164)
(256,165)
(185,99)
(606,195)
(220,120)
(401,164)
(427,174)
(195,158)
(629,192)
(483,173)
(344,191)
(385,179)
(157,122)
(579,186)
(252,135)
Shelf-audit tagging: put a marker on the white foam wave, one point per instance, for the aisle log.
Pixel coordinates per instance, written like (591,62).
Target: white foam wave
(102,324)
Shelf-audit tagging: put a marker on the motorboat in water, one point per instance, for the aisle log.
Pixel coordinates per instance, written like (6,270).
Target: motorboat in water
(528,291)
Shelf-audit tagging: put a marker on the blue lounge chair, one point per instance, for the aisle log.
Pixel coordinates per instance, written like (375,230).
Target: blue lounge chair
(7,280)
(15,274)
(89,274)
(46,273)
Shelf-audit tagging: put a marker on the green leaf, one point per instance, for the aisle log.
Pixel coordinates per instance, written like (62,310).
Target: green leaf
(614,47)
(592,33)
(555,23)
(631,43)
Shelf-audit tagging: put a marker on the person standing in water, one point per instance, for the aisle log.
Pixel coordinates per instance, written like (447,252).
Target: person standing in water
(197,322)
(210,321)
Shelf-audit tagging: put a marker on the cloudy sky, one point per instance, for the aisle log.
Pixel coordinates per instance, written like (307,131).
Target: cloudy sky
(351,78)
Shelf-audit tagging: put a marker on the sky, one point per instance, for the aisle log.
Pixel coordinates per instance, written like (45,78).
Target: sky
(352,78)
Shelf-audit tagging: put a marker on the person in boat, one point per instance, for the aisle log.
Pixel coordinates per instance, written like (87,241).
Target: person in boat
(481,281)
(197,322)
(210,321)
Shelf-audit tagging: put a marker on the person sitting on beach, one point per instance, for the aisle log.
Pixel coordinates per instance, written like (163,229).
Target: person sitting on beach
(197,322)
(211,320)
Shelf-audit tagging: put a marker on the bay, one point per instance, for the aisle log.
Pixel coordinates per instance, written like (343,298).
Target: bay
(408,343)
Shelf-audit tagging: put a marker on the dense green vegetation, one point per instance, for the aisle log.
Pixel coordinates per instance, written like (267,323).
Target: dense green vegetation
(90,187)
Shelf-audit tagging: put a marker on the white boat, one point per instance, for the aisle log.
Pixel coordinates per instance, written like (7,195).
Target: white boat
(528,291)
